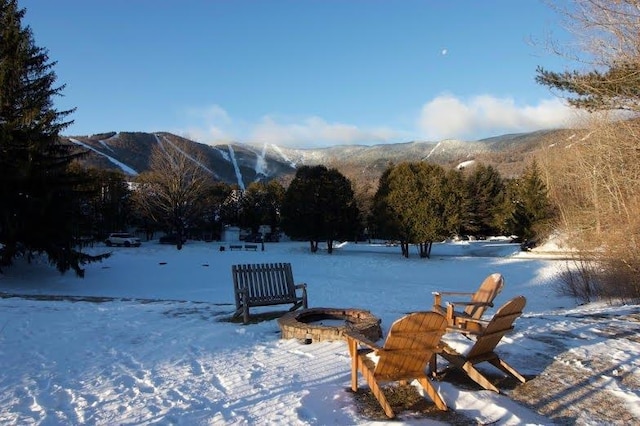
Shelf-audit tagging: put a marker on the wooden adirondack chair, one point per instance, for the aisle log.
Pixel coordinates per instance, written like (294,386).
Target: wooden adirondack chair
(408,348)
(473,308)
(484,347)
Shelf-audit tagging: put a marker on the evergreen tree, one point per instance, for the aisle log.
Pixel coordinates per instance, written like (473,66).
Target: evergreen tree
(457,203)
(485,188)
(105,206)
(412,205)
(504,218)
(318,205)
(211,221)
(37,190)
(616,88)
(260,205)
(533,210)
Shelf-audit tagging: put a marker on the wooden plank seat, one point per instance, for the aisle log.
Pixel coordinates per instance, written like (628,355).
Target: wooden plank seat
(253,247)
(473,309)
(235,247)
(483,349)
(410,346)
(265,284)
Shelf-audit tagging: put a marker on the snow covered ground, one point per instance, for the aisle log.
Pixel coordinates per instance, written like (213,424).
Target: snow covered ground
(157,349)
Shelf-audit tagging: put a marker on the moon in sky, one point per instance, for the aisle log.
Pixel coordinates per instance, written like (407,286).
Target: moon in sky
(444,52)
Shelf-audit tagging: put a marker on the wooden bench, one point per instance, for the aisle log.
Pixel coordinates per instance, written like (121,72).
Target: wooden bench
(235,247)
(265,284)
(253,247)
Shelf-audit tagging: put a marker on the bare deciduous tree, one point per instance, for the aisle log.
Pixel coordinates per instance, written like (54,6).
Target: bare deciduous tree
(595,177)
(173,192)
(595,183)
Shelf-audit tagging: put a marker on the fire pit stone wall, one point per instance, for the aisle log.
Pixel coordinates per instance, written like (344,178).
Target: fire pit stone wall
(307,324)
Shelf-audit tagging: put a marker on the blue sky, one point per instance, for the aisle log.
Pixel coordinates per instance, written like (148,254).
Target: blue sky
(302,73)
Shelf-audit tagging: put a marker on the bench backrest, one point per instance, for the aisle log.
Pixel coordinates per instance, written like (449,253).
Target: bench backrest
(265,284)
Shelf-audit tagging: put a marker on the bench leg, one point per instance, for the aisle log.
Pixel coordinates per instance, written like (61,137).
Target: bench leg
(245,314)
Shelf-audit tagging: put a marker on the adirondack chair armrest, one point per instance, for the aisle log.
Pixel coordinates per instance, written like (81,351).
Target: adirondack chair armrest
(453,293)
(437,295)
(469,303)
(302,286)
(473,330)
(359,338)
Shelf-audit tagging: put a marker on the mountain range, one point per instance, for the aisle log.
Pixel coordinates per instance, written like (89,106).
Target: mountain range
(241,164)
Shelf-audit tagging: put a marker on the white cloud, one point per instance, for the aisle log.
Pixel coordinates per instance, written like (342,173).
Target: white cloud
(210,114)
(448,117)
(444,117)
(214,125)
(316,132)
(210,124)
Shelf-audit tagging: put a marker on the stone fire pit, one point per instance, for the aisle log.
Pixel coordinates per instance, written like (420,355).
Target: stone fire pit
(328,324)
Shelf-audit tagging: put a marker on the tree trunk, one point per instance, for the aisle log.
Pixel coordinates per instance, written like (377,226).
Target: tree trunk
(404,246)
(425,249)
(329,246)
(179,234)
(314,246)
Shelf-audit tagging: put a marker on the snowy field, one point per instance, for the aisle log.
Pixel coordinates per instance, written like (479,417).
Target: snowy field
(158,349)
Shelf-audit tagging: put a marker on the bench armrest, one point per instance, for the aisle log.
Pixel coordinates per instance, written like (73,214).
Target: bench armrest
(303,287)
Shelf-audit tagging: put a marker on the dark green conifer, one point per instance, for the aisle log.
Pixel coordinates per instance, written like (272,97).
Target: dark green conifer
(319,205)
(618,87)
(413,204)
(37,194)
(485,188)
(533,210)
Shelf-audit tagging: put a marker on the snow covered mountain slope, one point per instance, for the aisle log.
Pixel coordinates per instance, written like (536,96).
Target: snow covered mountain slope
(241,164)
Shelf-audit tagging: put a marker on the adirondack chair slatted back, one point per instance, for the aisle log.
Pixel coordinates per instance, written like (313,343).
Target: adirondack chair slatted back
(410,344)
(488,290)
(265,284)
(500,324)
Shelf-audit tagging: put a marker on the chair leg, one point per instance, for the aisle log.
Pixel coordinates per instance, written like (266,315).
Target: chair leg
(502,365)
(433,393)
(459,362)
(377,391)
(477,377)
(245,314)
(354,373)
(433,365)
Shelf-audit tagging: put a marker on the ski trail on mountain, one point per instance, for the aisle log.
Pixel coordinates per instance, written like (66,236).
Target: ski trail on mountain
(104,143)
(232,154)
(432,151)
(123,167)
(177,148)
(284,157)
(223,153)
(261,162)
